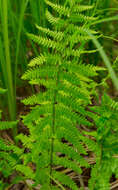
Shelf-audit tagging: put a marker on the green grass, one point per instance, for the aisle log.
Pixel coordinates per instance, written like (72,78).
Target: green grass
(18,40)
(17,18)
(7,68)
(106,60)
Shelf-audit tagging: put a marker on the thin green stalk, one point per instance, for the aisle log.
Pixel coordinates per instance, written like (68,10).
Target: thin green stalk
(53,125)
(7,65)
(35,10)
(112,18)
(106,60)
(38,11)
(59,185)
(4,74)
(23,8)
(2,60)
(12,20)
(11,100)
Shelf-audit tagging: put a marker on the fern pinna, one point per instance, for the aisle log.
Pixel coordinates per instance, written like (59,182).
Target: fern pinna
(55,142)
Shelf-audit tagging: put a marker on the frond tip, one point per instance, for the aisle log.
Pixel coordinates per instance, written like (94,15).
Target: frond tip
(4,125)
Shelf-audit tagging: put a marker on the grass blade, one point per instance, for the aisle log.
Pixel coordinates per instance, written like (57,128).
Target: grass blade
(106,60)
(105,20)
(23,8)
(11,100)
(6,60)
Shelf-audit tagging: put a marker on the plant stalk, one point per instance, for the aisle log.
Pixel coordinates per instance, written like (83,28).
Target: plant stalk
(9,83)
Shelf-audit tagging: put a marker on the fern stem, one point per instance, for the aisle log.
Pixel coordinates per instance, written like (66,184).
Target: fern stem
(52,140)
(53,126)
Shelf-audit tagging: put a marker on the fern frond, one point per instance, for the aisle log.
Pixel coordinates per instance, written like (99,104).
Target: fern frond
(58,113)
(51,19)
(60,9)
(65,133)
(56,35)
(4,125)
(45,42)
(55,20)
(65,111)
(79,29)
(81,8)
(40,72)
(46,59)
(3,145)
(82,69)
(65,180)
(38,98)
(34,115)
(66,163)
(27,171)
(81,18)
(70,152)
(2,91)
(37,61)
